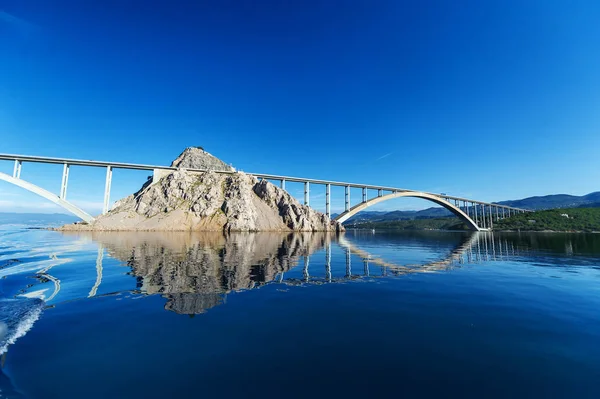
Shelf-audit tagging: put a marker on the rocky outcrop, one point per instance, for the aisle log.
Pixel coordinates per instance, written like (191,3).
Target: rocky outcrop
(197,158)
(209,201)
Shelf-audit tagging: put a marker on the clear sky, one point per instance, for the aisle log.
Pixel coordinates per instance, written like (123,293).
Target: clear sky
(492,100)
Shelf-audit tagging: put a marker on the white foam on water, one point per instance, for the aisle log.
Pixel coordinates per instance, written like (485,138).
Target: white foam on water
(22,328)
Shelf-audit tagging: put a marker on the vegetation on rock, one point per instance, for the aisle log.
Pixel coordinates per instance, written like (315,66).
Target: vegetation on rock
(571,219)
(450,223)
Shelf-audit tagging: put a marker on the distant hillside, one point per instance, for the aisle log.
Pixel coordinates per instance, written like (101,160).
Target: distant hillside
(448,223)
(592,205)
(566,219)
(379,216)
(556,201)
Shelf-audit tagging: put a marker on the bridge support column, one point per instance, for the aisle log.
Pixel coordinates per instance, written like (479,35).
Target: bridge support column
(364,192)
(475,213)
(379,193)
(491,224)
(283,184)
(503,209)
(17,169)
(65,181)
(483,216)
(497,214)
(107,189)
(306,193)
(328,200)
(347,198)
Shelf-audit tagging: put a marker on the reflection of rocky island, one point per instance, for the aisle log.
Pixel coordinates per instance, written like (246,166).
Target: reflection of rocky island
(195,271)
(181,200)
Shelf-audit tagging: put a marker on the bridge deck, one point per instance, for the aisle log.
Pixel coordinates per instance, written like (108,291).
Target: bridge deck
(122,165)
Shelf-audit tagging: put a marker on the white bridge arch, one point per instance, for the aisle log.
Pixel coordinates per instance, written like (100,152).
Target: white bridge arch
(49,196)
(415,194)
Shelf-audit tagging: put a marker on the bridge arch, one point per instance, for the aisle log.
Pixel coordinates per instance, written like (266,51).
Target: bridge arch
(49,196)
(415,194)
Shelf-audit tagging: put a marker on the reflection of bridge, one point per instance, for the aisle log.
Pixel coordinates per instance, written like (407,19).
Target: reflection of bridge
(201,279)
(477,215)
(475,248)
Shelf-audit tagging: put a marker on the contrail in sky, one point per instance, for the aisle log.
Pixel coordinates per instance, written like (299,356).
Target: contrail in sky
(15,22)
(384,156)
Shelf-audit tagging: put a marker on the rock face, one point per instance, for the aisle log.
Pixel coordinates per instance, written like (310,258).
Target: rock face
(197,158)
(209,201)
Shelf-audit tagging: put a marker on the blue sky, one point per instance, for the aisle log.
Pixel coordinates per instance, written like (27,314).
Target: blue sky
(492,100)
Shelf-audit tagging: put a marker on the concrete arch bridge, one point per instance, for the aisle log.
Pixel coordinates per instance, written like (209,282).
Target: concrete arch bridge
(478,215)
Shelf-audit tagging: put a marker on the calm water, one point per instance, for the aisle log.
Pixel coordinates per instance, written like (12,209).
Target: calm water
(366,314)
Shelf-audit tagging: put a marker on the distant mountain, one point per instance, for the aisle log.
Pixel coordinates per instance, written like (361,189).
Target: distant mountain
(556,201)
(591,200)
(379,216)
(36,219)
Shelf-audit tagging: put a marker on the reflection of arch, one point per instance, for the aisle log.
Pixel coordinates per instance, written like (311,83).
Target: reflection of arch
(465,246)
(417,194)
(48,195)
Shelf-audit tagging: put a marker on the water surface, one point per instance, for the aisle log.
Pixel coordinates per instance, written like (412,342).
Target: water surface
(154,315)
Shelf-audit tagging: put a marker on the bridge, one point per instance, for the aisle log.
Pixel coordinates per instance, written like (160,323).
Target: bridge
(477,215)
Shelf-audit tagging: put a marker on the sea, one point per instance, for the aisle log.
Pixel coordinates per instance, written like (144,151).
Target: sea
(365,313)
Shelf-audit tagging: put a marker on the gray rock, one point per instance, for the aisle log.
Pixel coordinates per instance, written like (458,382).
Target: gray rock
(197,158)
(210,201)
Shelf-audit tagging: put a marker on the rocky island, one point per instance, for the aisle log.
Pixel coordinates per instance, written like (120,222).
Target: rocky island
(219,199)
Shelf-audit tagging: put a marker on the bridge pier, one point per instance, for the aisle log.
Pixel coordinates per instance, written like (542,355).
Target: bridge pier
(347,207)
(282,184)
(17,169)
(306,193)
(65,181)
(483,216)
(107,190)
(364,193)
(380,193)
(475,212)
(327,200)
